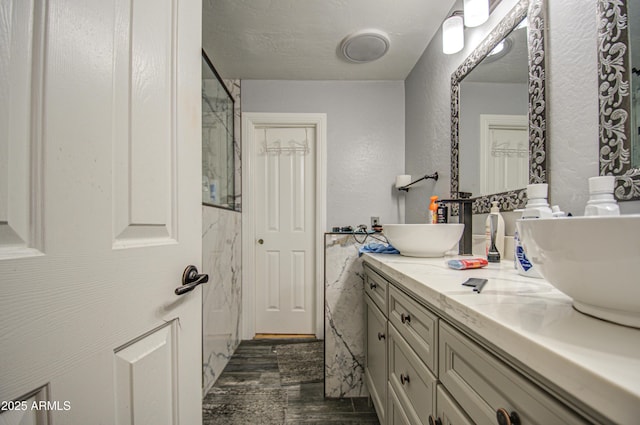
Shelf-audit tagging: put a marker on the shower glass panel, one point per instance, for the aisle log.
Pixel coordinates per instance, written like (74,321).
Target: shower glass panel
(218,168)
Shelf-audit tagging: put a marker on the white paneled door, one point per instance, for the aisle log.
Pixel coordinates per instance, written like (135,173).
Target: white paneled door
(285,229)
(99,211)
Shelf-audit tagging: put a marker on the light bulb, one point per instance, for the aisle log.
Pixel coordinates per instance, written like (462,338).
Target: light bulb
(452,35)
(476,12)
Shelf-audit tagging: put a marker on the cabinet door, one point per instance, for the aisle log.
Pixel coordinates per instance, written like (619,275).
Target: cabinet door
(482,385)
(375,370)
(395,413)
(411,380)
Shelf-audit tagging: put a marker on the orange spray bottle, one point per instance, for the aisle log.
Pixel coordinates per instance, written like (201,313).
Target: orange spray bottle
(433,210)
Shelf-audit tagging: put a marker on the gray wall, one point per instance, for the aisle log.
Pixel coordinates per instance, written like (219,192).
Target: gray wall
(572,107)
(365,140)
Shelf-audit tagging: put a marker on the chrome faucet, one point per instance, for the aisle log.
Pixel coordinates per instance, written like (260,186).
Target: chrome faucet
(465,216)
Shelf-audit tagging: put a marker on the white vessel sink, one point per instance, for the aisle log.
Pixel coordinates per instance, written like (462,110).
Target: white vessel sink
(594,260)
(423,240)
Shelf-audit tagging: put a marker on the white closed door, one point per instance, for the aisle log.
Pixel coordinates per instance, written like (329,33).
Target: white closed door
(285,229)
(99,211)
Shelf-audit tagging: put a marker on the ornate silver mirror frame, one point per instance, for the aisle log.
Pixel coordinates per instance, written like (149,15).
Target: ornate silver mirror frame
(534,10)
(614,99)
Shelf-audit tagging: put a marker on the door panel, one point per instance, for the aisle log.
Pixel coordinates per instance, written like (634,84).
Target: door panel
(285,258)
(145,371)
(105,150)
(144,169)
(21,66)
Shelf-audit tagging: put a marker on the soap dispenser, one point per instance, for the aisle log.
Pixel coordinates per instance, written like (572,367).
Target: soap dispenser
(499,229)
(601,200)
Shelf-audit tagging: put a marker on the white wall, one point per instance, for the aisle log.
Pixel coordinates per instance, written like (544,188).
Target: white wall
(572,117)
(365,140)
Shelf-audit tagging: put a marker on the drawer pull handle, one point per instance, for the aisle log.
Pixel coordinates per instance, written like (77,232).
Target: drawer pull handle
(372,286)
(404,379)
(434,422)
(506,418)
(405,318)
(380,336)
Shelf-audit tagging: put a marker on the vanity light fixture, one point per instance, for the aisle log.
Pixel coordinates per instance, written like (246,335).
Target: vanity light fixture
(453,33)
(476,12)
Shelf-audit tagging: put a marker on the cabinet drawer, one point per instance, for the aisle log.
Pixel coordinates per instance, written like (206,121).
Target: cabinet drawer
(417,325)
(482,385)
(411,380)
(376,287)
(375,370)
(448,410)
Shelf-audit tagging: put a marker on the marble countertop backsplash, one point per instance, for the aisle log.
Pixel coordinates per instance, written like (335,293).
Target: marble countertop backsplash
(534,326)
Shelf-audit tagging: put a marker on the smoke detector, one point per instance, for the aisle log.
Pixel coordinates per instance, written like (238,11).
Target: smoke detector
(365,45)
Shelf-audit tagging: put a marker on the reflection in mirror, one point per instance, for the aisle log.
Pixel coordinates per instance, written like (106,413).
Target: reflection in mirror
(217,139)
(498,112)
(494,136)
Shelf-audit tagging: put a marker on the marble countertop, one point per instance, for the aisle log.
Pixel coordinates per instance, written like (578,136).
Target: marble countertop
(533,325)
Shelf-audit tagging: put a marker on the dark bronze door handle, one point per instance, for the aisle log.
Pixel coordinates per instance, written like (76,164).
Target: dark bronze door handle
(191,279)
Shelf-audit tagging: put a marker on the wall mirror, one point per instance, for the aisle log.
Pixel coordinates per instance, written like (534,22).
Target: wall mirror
(619,94)
(498,112)
(218,168)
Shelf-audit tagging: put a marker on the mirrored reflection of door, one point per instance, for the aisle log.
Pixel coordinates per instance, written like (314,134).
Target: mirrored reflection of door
(504,153)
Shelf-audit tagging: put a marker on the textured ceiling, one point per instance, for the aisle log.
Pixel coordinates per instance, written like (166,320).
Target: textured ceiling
(299,39)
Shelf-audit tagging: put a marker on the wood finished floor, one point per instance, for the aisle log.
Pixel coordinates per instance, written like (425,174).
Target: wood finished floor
(275,381)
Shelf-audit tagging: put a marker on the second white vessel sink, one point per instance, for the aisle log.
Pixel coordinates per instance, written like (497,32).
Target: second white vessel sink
(594,260)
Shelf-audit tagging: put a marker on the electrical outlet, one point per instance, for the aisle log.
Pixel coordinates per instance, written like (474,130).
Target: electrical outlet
(375,221)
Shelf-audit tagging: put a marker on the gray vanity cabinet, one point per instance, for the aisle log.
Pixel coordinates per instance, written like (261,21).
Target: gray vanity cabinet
(403,389)
(427,372)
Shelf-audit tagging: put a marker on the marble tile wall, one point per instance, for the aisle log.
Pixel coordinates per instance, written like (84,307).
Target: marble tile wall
(222,260)
(222,296)
(344,317)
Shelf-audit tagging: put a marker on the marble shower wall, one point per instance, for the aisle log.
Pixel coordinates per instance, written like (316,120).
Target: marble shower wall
(222,260)
(344,317)
(222,296)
